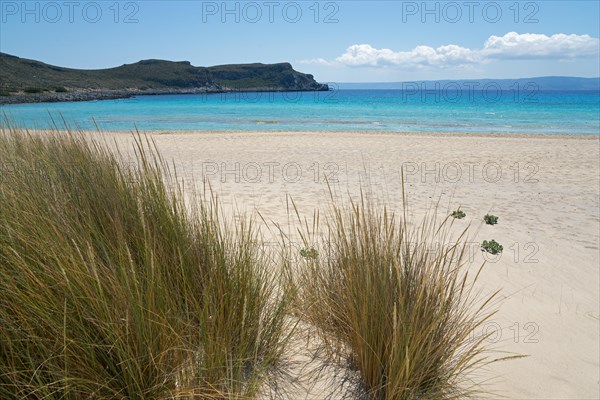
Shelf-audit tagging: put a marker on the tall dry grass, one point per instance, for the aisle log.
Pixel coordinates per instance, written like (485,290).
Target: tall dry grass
(112,288)
(393,303)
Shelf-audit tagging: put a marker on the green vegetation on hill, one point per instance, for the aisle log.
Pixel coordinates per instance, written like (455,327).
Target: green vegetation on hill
(16,74)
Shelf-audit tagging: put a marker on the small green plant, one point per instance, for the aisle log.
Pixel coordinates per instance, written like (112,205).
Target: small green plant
(60,89)
(458,214)
(490,219)
(6,91)
(33,89)
(309,252)
(492,247)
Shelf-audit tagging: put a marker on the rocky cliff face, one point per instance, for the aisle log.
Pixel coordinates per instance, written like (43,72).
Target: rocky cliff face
(23,80)
(276,76)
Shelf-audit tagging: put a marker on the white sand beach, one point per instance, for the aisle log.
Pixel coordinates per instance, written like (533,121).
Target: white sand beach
(545,189)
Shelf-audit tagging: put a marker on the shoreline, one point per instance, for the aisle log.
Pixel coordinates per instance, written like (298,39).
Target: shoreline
(512,135)
(81,95)
(287,132)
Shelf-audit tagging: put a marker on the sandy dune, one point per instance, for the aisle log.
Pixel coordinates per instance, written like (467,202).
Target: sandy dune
(545,190)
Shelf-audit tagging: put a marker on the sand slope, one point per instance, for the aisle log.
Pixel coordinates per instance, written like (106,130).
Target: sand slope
(545,190)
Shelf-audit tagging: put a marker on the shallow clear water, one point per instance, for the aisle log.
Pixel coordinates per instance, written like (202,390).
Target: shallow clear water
(373,110)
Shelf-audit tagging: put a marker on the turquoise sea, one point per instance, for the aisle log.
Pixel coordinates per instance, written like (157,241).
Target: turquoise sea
(567,112)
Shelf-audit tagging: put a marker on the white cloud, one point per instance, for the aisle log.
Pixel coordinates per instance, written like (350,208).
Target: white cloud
(316,61)
(366,55)
(531,45)
(512,45)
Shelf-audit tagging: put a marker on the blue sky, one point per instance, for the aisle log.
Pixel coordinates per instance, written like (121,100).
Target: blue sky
(344,41)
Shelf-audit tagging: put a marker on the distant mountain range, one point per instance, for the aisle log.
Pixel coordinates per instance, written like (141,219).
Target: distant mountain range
(24,81)
(539,83)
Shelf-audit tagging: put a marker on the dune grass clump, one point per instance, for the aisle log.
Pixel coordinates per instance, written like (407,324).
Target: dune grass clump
(111,287)
(387,307)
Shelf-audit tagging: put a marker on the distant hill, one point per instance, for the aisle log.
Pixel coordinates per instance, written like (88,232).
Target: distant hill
(23,80)
(541,83)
